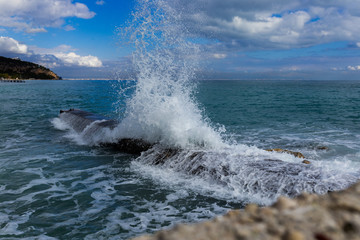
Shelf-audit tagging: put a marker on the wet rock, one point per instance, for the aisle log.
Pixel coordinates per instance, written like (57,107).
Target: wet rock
(322,148)
(89,125)
(332,216)
(296,154)
(129,145)
(306,162)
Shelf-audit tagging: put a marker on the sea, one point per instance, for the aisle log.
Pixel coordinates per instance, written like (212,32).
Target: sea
(54,186)
(209,140)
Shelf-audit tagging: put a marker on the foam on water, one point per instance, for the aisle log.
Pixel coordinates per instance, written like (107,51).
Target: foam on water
(167,207)
(245,174)
(59,124)
(60,197)
(91,134)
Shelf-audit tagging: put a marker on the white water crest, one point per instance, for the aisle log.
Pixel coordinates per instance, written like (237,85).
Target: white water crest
(162,108)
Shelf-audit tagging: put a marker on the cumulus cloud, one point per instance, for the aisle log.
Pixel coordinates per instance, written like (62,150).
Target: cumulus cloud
(11,46)
(34,16)
(219,55)
(62,55)
(263,24)
(354,68)
(72,58)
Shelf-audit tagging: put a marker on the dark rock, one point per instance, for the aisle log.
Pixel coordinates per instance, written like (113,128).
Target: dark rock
(129,145)
(79,120)
(322,148)
(296,154)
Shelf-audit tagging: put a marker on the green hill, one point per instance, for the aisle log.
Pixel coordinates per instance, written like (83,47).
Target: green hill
(17,69)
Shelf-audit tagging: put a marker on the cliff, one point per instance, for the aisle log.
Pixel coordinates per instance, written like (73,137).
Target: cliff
(15,68)
(335,215)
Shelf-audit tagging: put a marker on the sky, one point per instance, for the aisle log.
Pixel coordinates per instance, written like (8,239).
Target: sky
(240,39)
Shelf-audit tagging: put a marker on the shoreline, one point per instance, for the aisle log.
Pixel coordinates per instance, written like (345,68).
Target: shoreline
(13,80)
(335,215)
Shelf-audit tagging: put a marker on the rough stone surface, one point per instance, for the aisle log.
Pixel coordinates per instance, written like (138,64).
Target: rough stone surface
(296,154)
(335,215)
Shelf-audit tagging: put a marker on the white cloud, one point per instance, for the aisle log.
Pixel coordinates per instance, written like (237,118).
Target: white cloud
(100,2)
(66,55)
(263,24)
(72,58)
(11,46)
(219,55)
(58,56)
(35,30)
(63,48)
(258,26)
(354,68)
(34,16)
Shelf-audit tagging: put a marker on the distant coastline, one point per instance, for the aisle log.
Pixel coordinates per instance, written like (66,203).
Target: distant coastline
(16,69)
(94,79)
(98,79)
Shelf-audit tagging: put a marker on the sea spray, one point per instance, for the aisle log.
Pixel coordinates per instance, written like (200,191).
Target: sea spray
(162,108)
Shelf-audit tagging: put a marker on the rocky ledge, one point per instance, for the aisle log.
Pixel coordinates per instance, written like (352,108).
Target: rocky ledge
(335,215)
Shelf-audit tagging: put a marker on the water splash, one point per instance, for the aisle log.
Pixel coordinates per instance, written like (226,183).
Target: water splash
(162,108)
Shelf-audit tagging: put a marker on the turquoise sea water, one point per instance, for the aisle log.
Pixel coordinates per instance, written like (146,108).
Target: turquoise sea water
(54,187)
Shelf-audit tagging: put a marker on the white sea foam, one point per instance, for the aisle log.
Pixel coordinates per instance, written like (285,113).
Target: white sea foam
(149,216)
(12,226)
(245,174)
(59,124)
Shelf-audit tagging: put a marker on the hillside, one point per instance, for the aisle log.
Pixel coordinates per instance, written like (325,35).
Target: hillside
(15,68)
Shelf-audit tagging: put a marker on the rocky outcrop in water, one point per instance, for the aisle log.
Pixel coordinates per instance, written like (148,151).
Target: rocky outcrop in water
(89,125)
(296,154)
(335,215)
(17,69)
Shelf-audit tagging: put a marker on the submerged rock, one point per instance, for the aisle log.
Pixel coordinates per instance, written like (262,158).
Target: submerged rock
(322,148)
(335,215)
(91,125)
(306,162)
(296,154)
(129,145)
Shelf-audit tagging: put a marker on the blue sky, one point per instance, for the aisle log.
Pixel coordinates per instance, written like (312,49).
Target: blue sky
(249,39)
